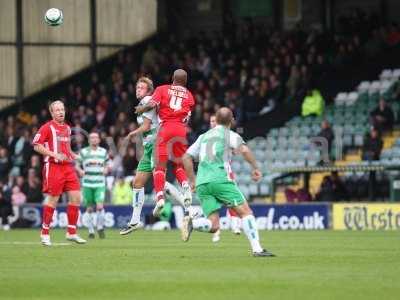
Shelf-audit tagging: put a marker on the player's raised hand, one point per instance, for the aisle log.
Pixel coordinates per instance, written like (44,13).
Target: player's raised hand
(130,135)
(81,173)
(256,175)
(139,109)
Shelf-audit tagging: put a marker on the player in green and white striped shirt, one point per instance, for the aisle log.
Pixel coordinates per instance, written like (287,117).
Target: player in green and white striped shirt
(214,183)
(93,160)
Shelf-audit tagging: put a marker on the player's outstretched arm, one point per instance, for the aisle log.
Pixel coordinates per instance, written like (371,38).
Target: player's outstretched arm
(248,155)
(143,108)
(146,126)
(187,161)
(46,152)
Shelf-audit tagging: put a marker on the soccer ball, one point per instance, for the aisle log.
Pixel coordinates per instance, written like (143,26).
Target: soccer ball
(54,17)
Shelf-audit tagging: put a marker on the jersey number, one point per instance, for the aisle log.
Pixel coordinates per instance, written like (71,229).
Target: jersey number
(175,103)
(207,152)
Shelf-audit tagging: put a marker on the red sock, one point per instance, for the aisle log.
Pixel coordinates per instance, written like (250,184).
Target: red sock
(48,212)
(72,215)
(159,182)
(180,174)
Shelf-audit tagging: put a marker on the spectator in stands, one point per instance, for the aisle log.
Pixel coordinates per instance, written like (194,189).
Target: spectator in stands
(122,192)
(250,105)
(382,117)
(313,104)
(393,36)
(11,139)
(5,207)
(5,164)
(18,198)
(35,164)
(327,134)
(32,188)
(293,82)
(372,145)
(332,189)
(22,151)
(129,162)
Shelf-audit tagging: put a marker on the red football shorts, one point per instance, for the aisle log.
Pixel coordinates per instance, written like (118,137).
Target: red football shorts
(232,213)
(59,178)
(171,142)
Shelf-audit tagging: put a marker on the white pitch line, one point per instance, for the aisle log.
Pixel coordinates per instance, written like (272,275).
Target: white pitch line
(33,243)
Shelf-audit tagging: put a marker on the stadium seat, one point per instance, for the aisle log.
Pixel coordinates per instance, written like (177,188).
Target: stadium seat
(374,87)
(359,140)
(386,74)
(363,87)
(253,189)
(264,189)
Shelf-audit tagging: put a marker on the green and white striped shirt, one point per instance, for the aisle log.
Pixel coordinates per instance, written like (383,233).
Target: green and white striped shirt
(93,163)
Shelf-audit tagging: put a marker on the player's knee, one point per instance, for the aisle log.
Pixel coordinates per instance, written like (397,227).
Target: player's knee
(138,184)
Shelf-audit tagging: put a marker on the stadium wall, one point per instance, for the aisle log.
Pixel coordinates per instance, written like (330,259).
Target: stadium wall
(311,216)
(269,217)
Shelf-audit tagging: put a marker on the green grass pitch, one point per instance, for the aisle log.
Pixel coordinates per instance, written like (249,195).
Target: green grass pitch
(157,265)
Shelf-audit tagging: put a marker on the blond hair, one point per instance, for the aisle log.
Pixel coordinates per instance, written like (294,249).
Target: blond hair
(147,81)
(54,103)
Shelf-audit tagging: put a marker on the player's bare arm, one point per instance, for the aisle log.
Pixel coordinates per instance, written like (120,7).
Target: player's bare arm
(143,108)
(146,126)
(74,156)
(249,157)
(187,161)
(46,152)
(78,168)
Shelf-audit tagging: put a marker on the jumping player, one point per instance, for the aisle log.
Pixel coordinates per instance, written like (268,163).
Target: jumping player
(174,103)
(148,122)
(94,162)
(53,141)
(213,184)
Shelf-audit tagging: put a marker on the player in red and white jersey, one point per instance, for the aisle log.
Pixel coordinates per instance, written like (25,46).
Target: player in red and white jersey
(174,103)
(53,141)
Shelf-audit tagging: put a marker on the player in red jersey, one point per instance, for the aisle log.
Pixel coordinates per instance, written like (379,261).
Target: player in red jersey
(174,103)
(53,141)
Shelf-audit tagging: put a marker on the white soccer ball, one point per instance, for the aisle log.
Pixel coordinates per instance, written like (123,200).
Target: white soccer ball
(54,17)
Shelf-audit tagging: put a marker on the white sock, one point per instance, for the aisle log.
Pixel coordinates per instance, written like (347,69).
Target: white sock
(101,215)
(235,223)
(90,222)
(251,231)
(185,184)
(171,190)
(217,233)
(202,224)
(137,203)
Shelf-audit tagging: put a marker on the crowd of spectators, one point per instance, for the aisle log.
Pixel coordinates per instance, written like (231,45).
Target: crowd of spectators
(252,69)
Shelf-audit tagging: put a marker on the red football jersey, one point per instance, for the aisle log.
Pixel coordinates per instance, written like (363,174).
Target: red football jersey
(175,103)
(56,138)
